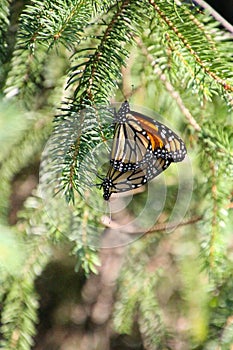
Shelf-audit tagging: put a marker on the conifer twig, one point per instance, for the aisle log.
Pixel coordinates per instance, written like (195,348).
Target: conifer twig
(216,15)
(175,94)
(156,228)
(169,226)
(225,84)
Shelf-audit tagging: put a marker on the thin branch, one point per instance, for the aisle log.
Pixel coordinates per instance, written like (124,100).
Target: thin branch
(98,54)
(214,217)
(177,97)
(200,25)
(226,86)
(170,226)
(169,87)
(216,15)
(156,228)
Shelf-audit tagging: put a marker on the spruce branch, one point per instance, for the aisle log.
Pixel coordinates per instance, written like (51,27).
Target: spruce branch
(134,302)
(149,311)
(175,94)
(215,14)
(214,221)
(226,339)
(72,160)
(207,59)
(25,77)
(27,147)
(53,23)
(100,65)
(4,23)
(19,314)
(217,213)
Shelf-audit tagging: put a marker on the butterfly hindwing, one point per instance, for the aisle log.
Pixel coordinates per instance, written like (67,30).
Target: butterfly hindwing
(162,138)
(117,181)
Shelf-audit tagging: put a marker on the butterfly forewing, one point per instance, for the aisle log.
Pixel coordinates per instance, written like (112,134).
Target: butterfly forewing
(129,146)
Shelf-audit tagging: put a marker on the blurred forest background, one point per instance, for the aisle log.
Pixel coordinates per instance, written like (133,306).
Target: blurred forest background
(173,287)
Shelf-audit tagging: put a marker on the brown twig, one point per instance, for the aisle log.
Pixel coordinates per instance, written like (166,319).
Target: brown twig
(169,226)
(216,15)
(215,210)
(156,228)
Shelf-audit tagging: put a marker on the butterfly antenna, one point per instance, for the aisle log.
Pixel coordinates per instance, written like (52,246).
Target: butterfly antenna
(99,177)
(110,212)
(128,95)
(131,92)
(122,92)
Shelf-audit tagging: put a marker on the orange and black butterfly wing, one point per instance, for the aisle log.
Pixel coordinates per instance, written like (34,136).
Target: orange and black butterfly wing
(117,181)
(165,142)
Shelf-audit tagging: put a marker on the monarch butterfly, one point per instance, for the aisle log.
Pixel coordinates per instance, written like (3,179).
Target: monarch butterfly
(138,139)
(117,181)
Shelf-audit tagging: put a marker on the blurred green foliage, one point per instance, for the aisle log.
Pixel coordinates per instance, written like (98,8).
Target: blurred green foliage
(59,57)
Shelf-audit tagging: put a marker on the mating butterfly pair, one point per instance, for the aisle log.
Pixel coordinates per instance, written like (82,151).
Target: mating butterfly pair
(142,148)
